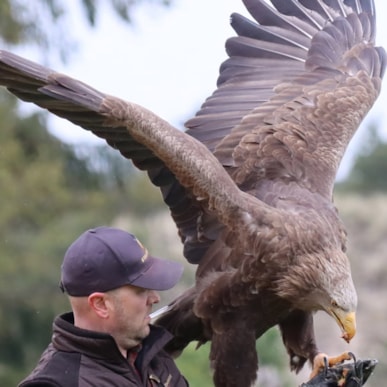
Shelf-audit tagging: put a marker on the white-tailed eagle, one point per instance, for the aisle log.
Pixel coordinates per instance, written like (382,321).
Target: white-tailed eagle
(249,184)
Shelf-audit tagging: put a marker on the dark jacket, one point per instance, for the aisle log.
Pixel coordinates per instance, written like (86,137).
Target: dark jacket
(81,358)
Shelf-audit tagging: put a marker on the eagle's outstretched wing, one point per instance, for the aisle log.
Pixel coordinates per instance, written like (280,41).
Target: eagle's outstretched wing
(140,135)
(293,92)
(290,97)
(249,185)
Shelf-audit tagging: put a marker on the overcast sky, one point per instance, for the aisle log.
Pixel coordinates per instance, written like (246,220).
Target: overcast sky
(168,60)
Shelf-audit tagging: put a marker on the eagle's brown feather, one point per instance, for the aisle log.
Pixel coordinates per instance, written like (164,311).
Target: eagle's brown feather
(249,185)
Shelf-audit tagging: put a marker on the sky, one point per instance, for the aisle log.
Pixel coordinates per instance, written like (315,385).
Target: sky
(168,60)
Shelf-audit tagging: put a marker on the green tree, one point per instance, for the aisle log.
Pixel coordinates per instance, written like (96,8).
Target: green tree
(51,192)
(49,195)
(368,174)
(45,24)
(42,204)
(194,363)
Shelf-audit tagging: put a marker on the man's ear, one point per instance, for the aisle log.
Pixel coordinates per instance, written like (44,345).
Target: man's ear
(98,303)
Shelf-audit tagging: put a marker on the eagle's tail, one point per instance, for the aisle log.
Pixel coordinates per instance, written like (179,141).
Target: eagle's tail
(179,319)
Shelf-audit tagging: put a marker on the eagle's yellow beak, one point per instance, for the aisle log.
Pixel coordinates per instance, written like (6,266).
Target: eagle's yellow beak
(346,321)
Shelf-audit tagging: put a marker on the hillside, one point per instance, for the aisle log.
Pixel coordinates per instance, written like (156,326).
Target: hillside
(366,222)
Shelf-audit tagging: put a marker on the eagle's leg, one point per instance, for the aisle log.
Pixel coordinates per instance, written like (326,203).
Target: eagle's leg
(298,337)
(233,356)
(319,361)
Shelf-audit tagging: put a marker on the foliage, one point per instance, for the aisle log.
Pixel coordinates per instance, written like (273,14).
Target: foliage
(123,8)
(45,23)
(270,349)
(50,194)
(194,363)
(369,171)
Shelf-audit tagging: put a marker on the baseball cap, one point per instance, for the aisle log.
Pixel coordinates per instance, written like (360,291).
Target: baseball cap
(107,258)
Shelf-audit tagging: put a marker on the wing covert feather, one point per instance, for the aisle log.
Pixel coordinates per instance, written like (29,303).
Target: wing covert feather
(281,80)
(298,81)
(190,177)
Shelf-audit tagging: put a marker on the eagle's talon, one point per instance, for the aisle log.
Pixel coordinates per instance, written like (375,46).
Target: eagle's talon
(322,360)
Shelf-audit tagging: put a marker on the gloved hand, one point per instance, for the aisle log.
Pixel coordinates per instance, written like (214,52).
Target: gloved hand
(353,374)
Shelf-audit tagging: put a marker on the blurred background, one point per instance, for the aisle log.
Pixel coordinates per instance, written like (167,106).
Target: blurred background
(56,180)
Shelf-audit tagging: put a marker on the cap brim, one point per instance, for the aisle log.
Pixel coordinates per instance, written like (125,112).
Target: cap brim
(160,275)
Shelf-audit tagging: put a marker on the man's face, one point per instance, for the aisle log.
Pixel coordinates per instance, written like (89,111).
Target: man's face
(131,307)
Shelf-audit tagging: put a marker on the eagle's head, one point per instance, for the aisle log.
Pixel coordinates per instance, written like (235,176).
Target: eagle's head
(323,281)
(338,295)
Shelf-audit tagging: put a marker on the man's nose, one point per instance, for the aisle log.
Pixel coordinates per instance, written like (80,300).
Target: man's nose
(154,297)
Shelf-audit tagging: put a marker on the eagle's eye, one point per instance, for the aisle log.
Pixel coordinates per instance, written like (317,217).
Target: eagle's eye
(334,304)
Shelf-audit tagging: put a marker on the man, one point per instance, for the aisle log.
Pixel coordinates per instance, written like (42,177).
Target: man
(107,340)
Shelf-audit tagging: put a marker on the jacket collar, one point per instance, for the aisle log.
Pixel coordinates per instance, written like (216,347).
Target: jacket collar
(69,338)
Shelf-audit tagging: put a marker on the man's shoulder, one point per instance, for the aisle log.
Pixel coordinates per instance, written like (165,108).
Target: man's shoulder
(55,369)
